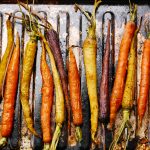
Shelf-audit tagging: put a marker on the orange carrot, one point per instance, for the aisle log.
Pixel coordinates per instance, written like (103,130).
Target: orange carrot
(145,79)
(60,107)
(128,95)
(118,88)
(75,93)
(10,91)
(47,97)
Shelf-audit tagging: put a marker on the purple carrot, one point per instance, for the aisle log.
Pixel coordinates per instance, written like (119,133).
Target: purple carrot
(104,84)
(53,40)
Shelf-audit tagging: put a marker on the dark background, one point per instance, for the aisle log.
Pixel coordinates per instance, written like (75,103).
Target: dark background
(112,2)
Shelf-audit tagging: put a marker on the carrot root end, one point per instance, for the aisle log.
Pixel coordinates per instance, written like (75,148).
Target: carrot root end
(32,130)
(110,126)
(94,140)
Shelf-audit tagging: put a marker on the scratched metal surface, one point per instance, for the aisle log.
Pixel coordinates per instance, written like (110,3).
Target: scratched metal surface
(72,31)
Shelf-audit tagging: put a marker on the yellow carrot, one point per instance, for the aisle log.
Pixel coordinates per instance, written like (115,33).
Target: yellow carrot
(89,54)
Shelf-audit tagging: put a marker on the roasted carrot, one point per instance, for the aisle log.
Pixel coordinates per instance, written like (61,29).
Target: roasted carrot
(28,62)
(104,85)
(9,48)
(53,41)
(129,91)
(118,87)
(10,93)
(47,99)
(75,93)
(60,106)
(89,54)
(145,78)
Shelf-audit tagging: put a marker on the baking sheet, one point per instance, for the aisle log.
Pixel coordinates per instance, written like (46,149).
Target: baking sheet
(72,31)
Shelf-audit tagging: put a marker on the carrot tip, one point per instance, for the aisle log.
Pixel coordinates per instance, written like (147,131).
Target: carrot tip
(3,141)
(32,130)
(94,139)
(110,126)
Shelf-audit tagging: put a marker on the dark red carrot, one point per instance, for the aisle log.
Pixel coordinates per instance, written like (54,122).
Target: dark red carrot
(47,99)
(10,92)
(53,40)
(104,85)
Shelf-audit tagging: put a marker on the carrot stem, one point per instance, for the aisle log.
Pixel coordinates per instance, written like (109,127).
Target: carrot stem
(133,12)
(96,4)
(119,133)
(46,146)
(35,14)
(3,142)
(78,134)
(83,12)
(56,136)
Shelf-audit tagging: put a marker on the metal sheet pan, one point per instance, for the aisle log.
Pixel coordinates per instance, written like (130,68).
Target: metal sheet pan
(72,31)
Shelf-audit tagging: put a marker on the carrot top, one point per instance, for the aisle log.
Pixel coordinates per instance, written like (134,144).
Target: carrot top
(133,11)
(90,17)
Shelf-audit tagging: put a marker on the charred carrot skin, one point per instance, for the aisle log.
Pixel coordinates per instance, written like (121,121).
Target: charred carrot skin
(10,91)
(117,91)
(75,93)
(53,40)
(104,85)
(28,62)
(145,80)
(4,61)
(47,97)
